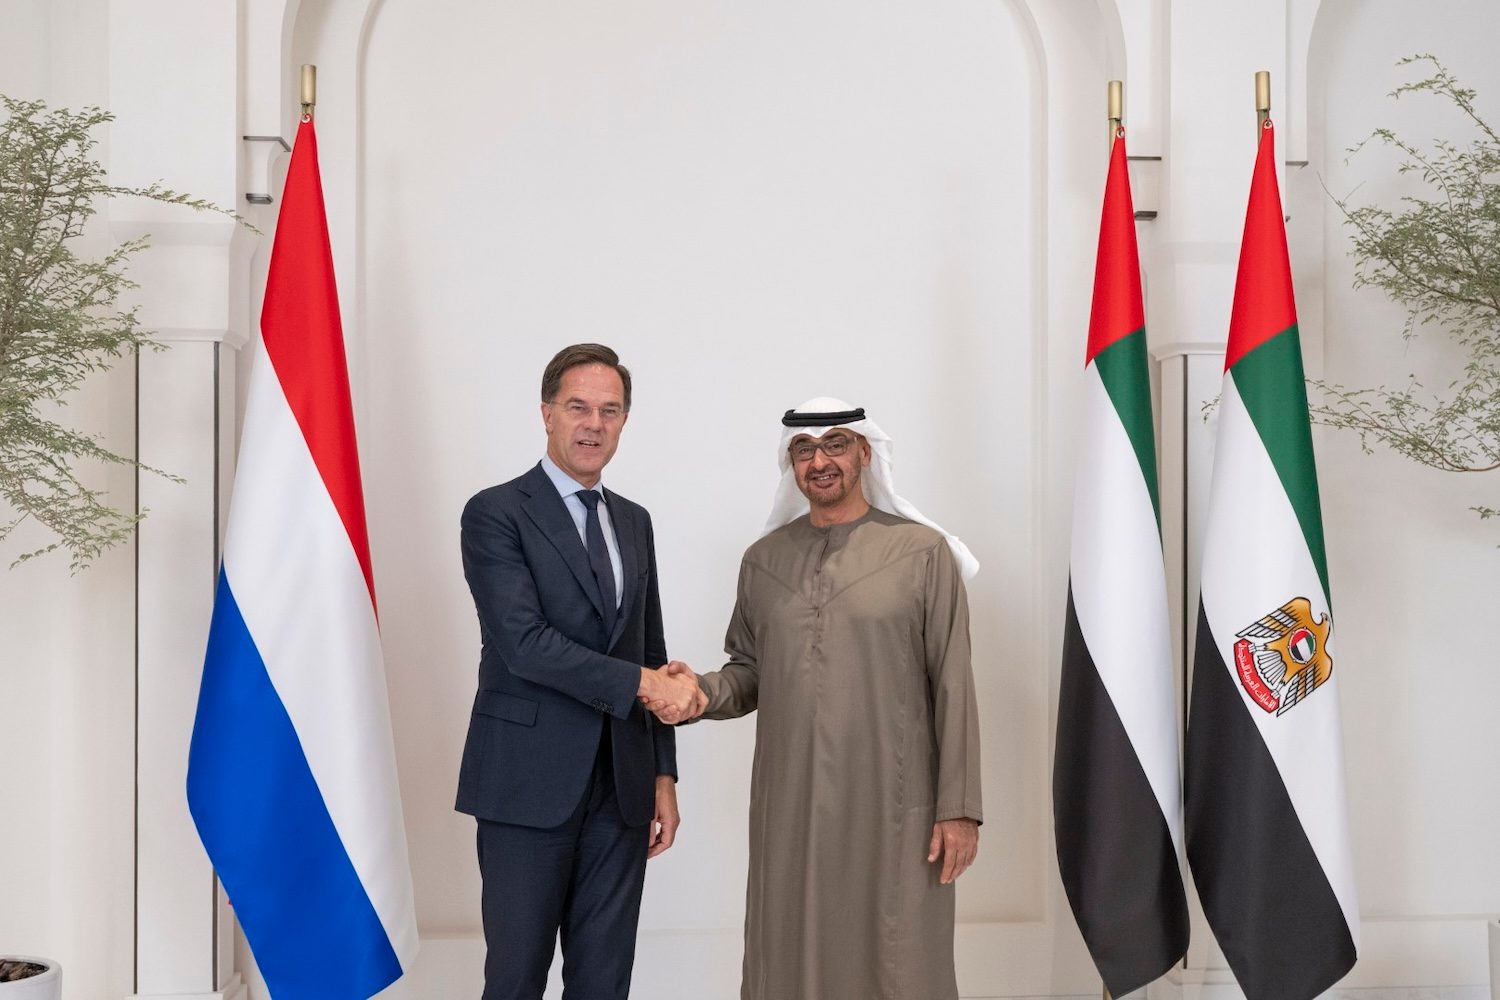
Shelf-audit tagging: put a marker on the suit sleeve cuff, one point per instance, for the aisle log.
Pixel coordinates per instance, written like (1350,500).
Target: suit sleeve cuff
(619,698)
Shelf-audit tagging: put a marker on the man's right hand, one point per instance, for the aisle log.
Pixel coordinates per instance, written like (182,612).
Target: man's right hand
(671,692)
(700,702)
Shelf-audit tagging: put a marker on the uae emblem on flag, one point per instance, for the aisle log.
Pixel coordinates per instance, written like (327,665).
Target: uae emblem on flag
(1116,795)
(1284,656)
(1267,824)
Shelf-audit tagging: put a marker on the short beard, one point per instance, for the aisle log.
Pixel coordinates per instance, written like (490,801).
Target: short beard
(851,482)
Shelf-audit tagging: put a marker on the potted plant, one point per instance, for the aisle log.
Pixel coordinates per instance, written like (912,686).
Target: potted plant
(23,978)
(60,321)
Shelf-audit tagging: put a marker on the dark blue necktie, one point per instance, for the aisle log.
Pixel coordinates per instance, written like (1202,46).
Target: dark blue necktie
(604,570)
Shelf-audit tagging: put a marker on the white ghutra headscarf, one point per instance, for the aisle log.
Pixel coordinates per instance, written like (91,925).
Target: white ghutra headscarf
(817,417)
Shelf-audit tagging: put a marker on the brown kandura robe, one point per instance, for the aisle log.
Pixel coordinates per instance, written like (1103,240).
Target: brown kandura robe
(853,643)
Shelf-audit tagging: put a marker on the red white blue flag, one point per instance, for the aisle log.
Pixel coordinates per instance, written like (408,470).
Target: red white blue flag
(292,772)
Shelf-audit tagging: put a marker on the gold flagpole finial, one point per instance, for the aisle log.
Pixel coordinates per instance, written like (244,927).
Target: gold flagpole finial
(1262,98)
(309,90)
(1116,109)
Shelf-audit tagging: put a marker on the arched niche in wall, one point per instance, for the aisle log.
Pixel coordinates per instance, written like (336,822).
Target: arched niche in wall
(754,206)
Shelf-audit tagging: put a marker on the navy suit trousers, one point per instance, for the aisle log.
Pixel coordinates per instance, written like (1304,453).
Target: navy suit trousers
(581,880)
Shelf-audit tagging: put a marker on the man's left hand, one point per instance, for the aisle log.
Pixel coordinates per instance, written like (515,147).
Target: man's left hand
(956,841)
(664,824)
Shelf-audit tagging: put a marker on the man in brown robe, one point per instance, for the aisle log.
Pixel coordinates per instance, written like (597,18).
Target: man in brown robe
(850,635)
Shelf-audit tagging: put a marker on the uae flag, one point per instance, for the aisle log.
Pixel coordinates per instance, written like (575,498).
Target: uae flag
(1267,826)
(1116,795)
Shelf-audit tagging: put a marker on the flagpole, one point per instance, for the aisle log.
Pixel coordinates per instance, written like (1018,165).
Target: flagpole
(1116,122)
(1262,100)
(1116,125)
(1116,110)
(309,90)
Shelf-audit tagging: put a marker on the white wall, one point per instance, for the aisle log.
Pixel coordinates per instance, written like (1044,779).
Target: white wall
(66,644)
(755,206)
(1415,575)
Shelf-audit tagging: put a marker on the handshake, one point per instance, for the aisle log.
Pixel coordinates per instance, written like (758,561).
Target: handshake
(672,693)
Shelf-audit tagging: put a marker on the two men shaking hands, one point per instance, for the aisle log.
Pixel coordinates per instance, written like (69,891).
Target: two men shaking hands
(671,692)
(849,638)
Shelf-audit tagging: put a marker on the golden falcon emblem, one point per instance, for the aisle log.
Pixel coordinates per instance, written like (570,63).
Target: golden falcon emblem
(1283,657)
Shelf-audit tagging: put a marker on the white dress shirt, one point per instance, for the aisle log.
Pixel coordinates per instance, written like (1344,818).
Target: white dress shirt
(567,488)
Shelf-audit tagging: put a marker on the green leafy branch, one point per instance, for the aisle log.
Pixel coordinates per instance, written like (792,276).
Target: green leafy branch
(1437,254)
(60,322)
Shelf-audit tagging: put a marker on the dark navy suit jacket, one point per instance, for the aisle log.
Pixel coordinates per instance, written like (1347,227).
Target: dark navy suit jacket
(548,675)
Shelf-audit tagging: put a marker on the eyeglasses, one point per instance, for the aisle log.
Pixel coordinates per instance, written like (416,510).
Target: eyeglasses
(575,410)
(833,446)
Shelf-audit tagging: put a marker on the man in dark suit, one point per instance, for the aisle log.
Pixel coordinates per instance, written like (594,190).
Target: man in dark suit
(571,781)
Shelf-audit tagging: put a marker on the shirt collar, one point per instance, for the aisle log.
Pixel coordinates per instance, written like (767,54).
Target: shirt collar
(565,484)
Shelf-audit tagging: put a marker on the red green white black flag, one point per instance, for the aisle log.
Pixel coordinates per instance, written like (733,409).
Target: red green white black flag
(1116,791)
(1266,819)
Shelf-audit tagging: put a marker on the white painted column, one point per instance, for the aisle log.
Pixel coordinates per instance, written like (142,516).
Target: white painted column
(1208,145)
(173,86)
(185,938)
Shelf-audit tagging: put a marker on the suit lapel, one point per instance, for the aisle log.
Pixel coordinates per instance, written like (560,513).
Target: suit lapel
(548,512)
(630,554)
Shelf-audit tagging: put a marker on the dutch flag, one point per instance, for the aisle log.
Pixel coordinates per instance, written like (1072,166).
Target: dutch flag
(292,772)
